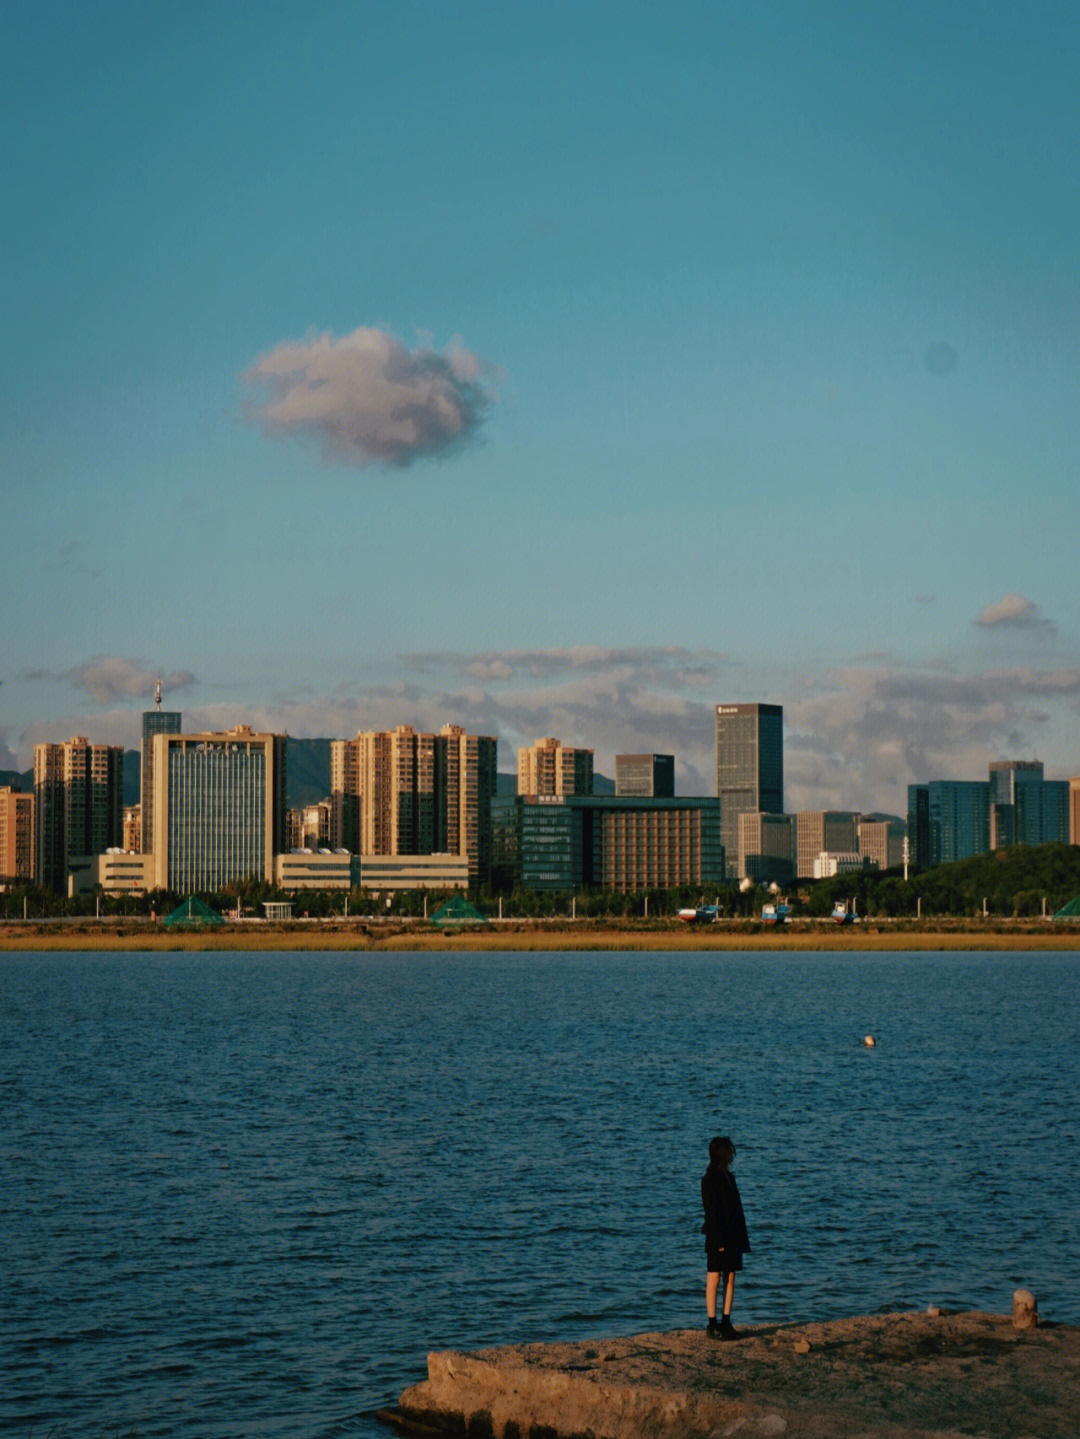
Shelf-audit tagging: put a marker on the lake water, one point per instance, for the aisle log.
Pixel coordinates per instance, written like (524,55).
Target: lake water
(245,1194)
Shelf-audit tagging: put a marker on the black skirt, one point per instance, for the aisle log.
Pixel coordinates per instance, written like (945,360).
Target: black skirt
(722,1261)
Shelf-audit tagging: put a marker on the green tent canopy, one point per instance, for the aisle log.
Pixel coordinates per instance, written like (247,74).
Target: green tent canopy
(1071,910)
(458,911)
(193,911)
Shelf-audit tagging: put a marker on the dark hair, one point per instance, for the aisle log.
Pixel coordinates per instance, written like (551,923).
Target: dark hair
(721,1149)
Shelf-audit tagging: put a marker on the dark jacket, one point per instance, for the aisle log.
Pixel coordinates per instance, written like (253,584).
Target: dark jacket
(725,1223)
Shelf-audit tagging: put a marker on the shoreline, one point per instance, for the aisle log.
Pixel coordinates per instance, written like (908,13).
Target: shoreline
(800,936)
(932,1375)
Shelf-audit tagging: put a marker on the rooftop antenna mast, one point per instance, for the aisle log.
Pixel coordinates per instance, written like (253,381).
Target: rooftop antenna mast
(157,694)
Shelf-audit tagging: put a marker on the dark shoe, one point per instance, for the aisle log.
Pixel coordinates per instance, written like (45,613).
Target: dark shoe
(713,1330)
(727,1329)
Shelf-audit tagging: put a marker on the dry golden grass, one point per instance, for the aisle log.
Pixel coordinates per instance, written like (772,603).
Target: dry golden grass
(544,935)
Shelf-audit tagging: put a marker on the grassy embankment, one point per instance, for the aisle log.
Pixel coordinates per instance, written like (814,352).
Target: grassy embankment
(390,936)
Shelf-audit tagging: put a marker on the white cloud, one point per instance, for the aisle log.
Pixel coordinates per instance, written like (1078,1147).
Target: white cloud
(1014,610)
(367,398)
(109,677)
(855,737)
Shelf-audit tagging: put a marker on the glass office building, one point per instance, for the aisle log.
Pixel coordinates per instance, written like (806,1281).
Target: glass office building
(948,820)
(155,721)
(749,765)
(617,842)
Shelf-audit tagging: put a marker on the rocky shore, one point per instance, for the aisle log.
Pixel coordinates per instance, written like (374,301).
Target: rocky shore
(895,1376)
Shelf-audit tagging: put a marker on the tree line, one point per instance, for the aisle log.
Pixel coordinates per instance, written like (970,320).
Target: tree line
(1010,883)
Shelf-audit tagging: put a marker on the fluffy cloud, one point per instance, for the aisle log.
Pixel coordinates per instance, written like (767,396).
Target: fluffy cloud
(109,677)
(855,737)
(862,735)
(1014,610)
(367,398)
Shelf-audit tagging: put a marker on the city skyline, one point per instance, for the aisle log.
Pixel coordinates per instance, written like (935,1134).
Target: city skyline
(549,373)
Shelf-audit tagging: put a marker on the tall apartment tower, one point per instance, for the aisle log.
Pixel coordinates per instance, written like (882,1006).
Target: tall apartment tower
(155,721)
(78,805)
(645,776)
(749,765)
(219,808)
(404,792)
(547,767)
(16,834)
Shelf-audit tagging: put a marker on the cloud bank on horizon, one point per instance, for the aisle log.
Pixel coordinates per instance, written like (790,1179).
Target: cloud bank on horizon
(855,735)
(367,398)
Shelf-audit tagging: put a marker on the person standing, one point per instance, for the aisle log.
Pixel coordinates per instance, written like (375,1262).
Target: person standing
(726,1239)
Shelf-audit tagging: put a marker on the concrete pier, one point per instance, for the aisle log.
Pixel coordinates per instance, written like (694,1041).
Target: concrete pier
(898,1376)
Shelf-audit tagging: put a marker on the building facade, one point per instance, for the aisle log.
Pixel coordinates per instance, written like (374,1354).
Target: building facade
(547,767)
(881,840)
(116,872)
(1074,810)
(16,836)
(219,808)
(155,721)
(948,820)
(645,776)
(823,831)
(766,847)
(568,842)
(384,874)
(749,765)
(958,819)
(78,805)
(1026,808)
(399,792)
(308,826)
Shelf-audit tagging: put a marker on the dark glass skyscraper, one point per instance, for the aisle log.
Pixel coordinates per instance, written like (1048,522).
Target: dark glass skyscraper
(155,721)
(749,766)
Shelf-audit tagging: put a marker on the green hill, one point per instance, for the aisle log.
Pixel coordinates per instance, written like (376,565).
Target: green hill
(1011,882)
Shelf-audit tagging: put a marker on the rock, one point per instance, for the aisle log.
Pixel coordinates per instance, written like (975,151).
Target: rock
(675,1385)
(768,1426)
(1025,1310)
(801,1346)
(933,1311)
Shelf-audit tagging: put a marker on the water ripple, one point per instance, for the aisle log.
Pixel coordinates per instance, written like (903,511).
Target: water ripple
(246,1194)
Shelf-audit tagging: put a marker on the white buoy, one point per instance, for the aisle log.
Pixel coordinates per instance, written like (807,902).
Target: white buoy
(869,1041)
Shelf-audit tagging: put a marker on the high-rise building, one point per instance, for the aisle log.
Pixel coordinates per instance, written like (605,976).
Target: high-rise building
(78,805)
(1074,810)
(308,826)
(645,776)
(547,767)
(399,792)
(823,831)
(16,835)
(470,785)
(948,820)
(1026,808)
(219,808)
(155,721)
(749,765)
(766,847)
(881,840)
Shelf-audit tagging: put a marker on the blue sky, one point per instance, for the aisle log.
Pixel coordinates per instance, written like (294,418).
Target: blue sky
(556,369)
